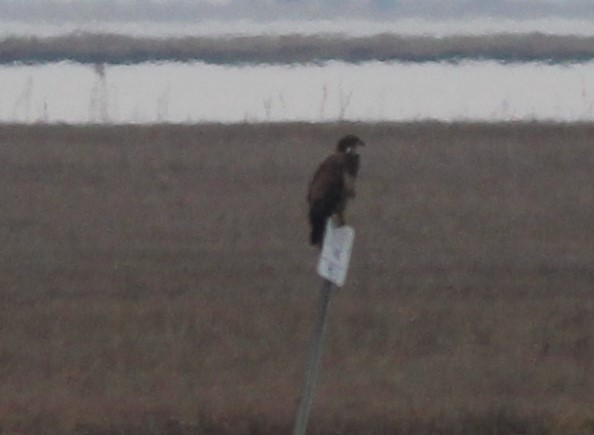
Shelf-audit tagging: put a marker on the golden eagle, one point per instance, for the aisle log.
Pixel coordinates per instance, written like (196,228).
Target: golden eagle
(332,185)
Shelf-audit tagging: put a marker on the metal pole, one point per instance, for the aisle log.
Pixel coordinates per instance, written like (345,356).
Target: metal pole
(313,364)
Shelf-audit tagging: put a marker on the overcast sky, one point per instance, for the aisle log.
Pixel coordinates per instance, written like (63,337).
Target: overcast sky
(203,10)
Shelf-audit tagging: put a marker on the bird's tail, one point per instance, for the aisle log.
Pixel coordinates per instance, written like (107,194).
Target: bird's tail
(317,219)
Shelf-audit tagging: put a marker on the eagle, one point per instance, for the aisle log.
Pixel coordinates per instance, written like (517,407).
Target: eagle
(332,185)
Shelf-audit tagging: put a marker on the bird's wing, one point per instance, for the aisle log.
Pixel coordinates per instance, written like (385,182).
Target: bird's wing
(328,181)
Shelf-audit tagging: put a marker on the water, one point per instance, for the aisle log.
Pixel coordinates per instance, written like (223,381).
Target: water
(375,91)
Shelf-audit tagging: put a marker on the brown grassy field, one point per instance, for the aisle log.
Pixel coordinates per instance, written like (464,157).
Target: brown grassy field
(120,49)
(157,280)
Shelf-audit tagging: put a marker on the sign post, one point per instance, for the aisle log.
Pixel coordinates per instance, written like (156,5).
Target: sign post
(332,267)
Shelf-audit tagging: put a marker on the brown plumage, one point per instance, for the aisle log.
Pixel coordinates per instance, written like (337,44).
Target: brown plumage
(333,184)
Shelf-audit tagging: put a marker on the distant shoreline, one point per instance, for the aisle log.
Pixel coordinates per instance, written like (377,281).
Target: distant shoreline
(347,27)
(92,48)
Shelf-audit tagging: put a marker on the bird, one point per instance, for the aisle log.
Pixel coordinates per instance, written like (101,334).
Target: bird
(332,186)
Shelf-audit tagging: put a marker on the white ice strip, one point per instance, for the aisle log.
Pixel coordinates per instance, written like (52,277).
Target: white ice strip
(374,91)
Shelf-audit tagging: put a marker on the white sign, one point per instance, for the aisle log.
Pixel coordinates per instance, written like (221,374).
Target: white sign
(336,253)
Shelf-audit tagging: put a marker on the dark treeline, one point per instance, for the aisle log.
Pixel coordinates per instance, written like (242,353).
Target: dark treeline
(120,49)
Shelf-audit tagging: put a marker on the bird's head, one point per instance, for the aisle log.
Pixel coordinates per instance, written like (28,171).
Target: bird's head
(349,144)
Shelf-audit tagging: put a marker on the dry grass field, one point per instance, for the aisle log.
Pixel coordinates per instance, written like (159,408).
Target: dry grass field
(158,280)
